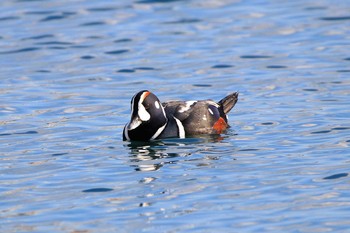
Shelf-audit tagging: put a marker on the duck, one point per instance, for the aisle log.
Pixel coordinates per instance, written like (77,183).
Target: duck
(151,119)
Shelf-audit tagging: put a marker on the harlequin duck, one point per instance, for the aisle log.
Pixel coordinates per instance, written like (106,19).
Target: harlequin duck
(151,119)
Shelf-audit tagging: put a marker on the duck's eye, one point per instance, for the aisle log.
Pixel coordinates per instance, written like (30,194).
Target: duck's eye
(146,105)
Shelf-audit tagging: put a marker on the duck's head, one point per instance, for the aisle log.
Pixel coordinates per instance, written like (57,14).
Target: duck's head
(148,117)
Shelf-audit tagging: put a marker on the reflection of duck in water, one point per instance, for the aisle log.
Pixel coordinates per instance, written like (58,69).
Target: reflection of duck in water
(152,155)
(151,119)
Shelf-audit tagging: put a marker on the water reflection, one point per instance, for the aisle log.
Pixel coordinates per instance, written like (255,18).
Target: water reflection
(151,156)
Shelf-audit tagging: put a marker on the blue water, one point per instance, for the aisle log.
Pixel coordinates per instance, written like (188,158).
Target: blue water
(70,68)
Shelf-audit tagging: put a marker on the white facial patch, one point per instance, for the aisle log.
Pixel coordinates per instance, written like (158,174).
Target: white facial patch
(156,103)
(210,111)
(187,106)
(143,114)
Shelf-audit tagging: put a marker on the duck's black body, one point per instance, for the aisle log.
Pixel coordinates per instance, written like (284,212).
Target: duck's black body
(151,119)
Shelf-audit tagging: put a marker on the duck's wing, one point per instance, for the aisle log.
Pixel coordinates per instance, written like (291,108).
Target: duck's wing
(179,109)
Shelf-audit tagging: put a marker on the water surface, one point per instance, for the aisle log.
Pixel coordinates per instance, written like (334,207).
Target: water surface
(70,68)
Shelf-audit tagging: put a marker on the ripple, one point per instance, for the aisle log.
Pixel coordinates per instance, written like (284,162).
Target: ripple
(63,15)
(117,52)
(95,37)
(315,8)
(7,18)
(249,149)
(53,17)
(54,43)
(97,190)
(87,57)
(39,37)
(20,133)
(95,23)
(268,123)
(102,9)
(126,71)
(336,176)
(158,1)
(184,21)
(329,100)
(122,40)
(28,132)
(5,134)
(221,66)
(310,89)
(80,46)
(340,128)
(321,132)
(57,47)
(336,18)
(343,71)
(333,82)
(144,68)
(30,0)
(255,56)
(43,71)
(59,154)
(202,85)
(276,67)
(24,50)
(135,69)
(39,12)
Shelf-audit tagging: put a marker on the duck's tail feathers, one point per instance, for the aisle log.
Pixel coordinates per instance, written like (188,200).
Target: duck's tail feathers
(229,102)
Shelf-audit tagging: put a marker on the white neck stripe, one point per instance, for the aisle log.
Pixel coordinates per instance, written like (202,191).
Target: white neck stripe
(159,131)
(181,128)
(126,132)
